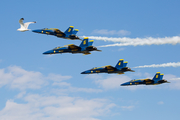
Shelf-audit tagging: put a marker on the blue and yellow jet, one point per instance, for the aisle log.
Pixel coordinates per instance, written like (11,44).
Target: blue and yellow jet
(157,79)
(85,47)
(68,34)
(120,68)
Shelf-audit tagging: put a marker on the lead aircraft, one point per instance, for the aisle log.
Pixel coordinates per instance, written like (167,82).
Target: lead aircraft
(120,68)
(157,79)
(85,47)
(68,34)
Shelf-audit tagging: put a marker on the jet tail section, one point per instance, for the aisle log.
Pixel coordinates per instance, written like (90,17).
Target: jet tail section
(161,76)
(90,42)
(125,64)
(157,76)
(120,64)
(84,43)
(75,31)
(69,30)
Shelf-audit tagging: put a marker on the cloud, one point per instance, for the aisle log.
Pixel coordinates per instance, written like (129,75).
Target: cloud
(57,77)
(64,91)
(111,32)
(38,107)
(171,64)
(160,103)
(121,49)
(130,108)
(16,77)
(112,82)
(174,81)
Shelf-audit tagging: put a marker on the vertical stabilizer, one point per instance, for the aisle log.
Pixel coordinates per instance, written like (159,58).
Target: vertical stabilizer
(69,30)
(161,76)
(125,64)
(84,43)
(75,31)
(90,42)
(157,76)
(120,64)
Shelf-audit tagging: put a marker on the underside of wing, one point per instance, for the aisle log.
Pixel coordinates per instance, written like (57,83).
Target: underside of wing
(27,24)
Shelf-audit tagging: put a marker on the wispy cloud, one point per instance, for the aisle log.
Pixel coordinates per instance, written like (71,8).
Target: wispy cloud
(111,32)
(17,78)
(160,103)
(170,64)
(130,108)
(39,107)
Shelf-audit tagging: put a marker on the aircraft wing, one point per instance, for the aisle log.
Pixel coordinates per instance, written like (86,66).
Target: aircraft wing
(72,46)
(109,67)
(147,79)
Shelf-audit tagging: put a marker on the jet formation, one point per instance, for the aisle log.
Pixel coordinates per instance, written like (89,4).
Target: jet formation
(157,79)
(85,48)
(120,68)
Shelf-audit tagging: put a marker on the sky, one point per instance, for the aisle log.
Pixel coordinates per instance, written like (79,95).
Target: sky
(34,86)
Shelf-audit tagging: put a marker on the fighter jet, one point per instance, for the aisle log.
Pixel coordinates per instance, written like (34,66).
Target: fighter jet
(68,34)
(120,68)
(85,47)
(157,79)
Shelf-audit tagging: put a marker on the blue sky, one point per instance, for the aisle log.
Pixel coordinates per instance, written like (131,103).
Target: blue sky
(45,87)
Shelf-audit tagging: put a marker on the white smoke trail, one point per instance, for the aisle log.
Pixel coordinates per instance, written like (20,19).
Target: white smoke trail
(171,64)
(138,41)
(110,39)
(175,79)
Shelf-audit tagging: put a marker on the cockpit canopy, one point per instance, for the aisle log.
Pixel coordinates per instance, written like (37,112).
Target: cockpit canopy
(56,48)
(135,80)
(98,68)
(51,29)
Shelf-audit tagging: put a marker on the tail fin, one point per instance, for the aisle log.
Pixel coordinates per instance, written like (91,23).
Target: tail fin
(69,30)
(75,31)
(120,64)
(125,64)
(157,76)
(161,76)
(85,42)
(90,42)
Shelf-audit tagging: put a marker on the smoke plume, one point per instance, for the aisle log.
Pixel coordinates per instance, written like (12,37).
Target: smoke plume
(138,41)
(171,64)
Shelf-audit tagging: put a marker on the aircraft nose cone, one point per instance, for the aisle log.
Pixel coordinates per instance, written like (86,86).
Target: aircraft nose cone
(48,52)
(36,31)
(83,73)
(124,84)
(86,72)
